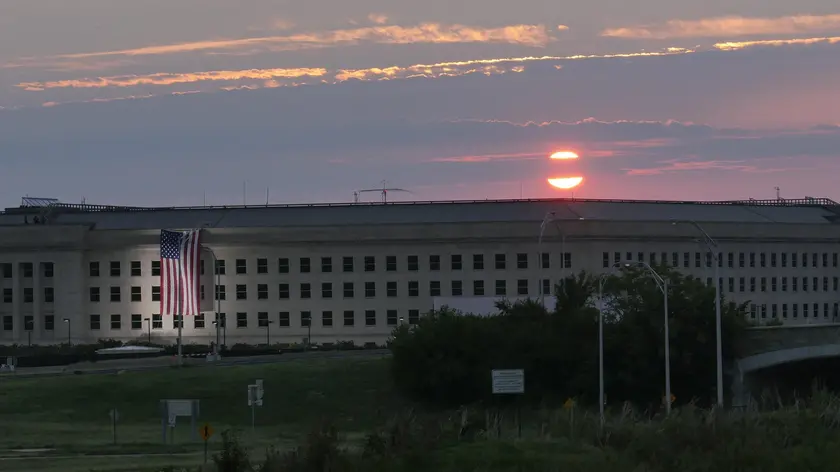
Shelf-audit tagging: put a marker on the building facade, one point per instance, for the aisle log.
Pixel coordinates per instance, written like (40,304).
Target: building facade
(334,273)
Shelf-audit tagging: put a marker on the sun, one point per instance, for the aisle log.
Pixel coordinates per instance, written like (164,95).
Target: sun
(565,183)
(564,155)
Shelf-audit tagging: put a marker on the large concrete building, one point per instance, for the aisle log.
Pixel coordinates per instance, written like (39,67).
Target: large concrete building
(87,272)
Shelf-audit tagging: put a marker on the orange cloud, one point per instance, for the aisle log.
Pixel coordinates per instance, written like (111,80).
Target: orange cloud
(682,166)
(729,26)
(491,157)
(527,35)
(378,18)
(734,45)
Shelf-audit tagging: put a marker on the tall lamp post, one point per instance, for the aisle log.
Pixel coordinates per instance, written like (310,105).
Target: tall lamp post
(601,396)
(218,296)
(712,247)
(662,285)
(69,338)
(268,332)
(28,327)
(149,328)
(551,217)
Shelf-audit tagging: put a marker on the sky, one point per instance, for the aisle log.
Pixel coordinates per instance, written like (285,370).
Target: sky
(213,102)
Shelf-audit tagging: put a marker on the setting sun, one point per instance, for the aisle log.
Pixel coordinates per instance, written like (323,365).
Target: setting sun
(564,155)
(565,183)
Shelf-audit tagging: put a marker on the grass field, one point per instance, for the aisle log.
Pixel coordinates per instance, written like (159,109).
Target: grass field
(69,414)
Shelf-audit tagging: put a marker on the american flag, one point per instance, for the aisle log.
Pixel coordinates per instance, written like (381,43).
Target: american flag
(179,272)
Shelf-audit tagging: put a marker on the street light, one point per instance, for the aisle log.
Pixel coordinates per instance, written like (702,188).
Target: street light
(551,217)
(67,320)
(149,322)
(601,396)
(217,294)
(712,247)
(268,332)
(308,320)
(28,327)
(662,284)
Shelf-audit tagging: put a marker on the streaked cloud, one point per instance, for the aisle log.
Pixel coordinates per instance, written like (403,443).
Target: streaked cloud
(735,45)
(729,26)
(433,33)
(378,18)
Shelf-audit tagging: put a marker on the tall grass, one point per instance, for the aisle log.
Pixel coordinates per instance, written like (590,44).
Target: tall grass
(801,436)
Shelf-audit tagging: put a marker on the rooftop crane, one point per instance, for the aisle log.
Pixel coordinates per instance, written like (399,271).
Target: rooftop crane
(382,191)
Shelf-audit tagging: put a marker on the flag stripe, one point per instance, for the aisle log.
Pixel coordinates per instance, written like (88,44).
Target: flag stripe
(179,272)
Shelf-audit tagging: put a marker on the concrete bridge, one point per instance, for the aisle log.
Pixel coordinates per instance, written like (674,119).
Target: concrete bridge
(770,346)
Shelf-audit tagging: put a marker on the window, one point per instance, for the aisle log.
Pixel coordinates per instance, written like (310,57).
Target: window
(28,270)
(795,307)
(414,315)
(697,259)
(326,290)
(773,261)
(262,319)
(546,286)
(501,287)
(762,259)
(730,260)
(764,284)
(49,295)
(522,260)
(116,322)
(804,284)
(7,271)
(825,284)
(456,262)
(8,298)
(305,290)
(349,318)
(741,260)
(157,322)
(262,291)
(115,268)
(567,260)
(28,295)
(326,264)
(49,322)
(752,284)
(94,294)
(201,292)
(605,259)
(95,322)
(522,287)
(784,284)
(391,317)
(370,264)
(305,265)
(241,268)
(834,261)
(413,263)
(136,321)
(391,289)
(262,266)
(545,260)
(804,264)
(784,310)
(793,259)
(115,294)
(221,293)
(391,263)
(93,269)
(177,321)
(283,291)
(198,321)
(434,262)
(241,292)
(794,281)
(457,288)
(136,294)
(370,289)
(241,320)
(501,262)
(136,268)
(49,270)
(306,319)
(283,265)
(156,292)
(8,324)
(348,290)
(347,263)
(784,259)
(651,259)
(478,261)
(201,267)
(284,319)
(413,288)
(731,284)
(434,288)
(326,319)
(804,310)
(220,267)
(370,318)
(478,288)
(156,268)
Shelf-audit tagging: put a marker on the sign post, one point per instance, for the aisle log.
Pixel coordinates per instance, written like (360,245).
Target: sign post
(115,416)
(172,409)
(509,382)
(255,399)
(206,432)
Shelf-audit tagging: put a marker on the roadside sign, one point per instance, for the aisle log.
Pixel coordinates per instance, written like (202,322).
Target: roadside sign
(172,420)
(206,431)
(509,381)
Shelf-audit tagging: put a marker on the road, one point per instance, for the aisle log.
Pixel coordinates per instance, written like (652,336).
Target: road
(135,365)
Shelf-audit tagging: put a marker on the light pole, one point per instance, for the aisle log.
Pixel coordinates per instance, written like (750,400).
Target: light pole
(218,296)
(268,332)
(551,217)
(69,342)
(149,324)
(712,247)
(601,396)
(29,332)
(662,284)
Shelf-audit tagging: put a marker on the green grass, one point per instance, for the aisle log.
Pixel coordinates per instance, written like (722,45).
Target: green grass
(70,413)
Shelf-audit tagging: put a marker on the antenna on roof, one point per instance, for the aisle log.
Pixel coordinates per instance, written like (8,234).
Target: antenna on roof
(382,191)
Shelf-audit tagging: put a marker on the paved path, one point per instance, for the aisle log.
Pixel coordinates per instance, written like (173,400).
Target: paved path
(135,365)
(104,456)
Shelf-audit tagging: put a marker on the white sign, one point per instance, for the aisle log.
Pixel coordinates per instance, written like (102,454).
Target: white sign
(511,381)
(180,407)
(254,395)
(173,419)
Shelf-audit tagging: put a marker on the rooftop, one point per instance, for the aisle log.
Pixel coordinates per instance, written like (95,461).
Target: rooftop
(104,217)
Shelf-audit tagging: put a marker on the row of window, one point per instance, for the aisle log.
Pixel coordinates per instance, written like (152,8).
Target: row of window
(776,284)
(761,259)
(282,319)
(812,310)
(29,295)
(28,270)
(348,264)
